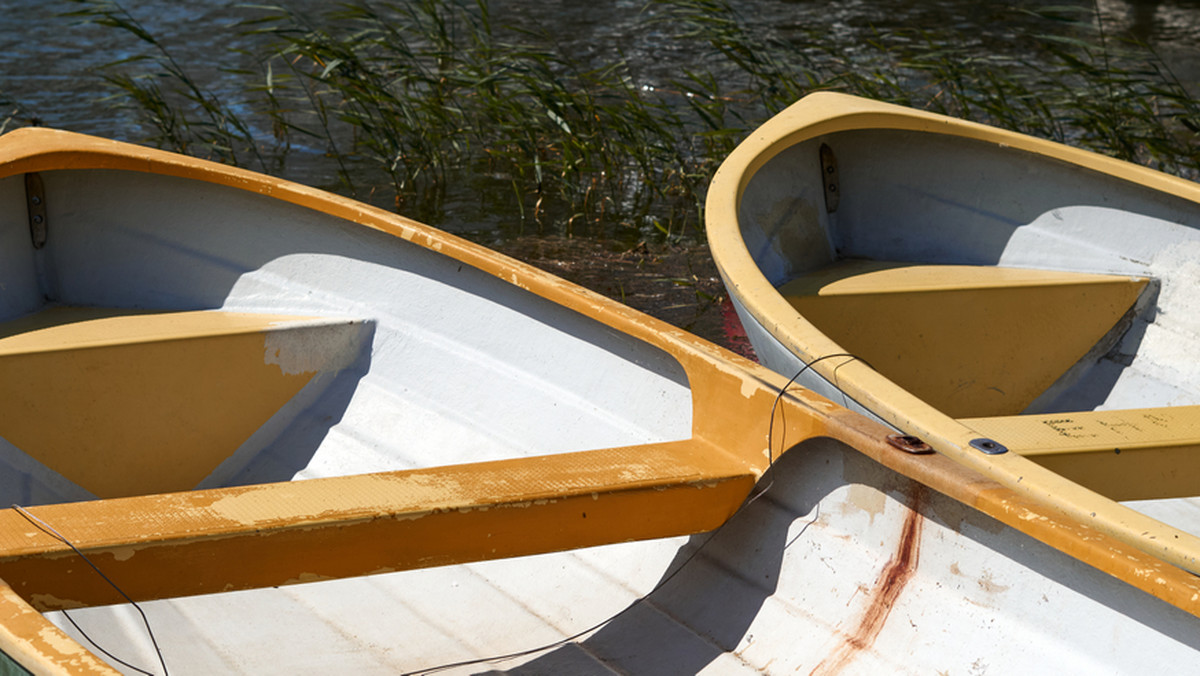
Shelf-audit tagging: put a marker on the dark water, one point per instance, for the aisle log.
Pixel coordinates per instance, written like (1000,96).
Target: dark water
(51,73)
(52,59)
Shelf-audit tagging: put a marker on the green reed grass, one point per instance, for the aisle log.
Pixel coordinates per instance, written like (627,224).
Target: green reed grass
(433,92)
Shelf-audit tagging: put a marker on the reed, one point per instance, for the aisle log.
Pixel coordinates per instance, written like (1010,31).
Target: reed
(424,95)
(185,116)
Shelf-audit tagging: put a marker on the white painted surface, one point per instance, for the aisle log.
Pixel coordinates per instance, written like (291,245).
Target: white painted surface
(778,590)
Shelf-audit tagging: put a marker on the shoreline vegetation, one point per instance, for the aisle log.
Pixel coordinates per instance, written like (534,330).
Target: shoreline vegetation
(402,99)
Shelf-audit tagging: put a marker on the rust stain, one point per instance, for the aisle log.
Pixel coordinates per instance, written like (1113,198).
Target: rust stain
(884,594)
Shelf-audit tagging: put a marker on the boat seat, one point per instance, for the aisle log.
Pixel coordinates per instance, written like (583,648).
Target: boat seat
(1131,454)
(128,402)
(971,340)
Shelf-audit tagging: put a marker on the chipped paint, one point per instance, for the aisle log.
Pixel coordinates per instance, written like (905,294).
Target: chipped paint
(51,601)
(373,495)
(53,638)
(123,553)
(304,347)
(307,577)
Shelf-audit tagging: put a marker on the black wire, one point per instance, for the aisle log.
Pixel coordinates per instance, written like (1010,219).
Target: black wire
(775,405)
(568,639)
(668,578)
(48,529)
(99,647)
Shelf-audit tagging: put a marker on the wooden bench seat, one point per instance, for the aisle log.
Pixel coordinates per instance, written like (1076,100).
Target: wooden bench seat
(128,402)
(970,340)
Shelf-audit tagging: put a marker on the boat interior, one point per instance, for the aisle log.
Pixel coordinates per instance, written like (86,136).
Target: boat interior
(1036,301)
(171,335)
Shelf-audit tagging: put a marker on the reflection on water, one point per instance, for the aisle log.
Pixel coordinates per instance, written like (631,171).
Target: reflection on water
(1172,29)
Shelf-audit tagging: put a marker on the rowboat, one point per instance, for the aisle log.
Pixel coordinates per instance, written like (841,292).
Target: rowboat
(251,427)
(1026,309)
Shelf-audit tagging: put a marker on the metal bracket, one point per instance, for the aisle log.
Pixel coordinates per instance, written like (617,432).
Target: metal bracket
(909,444)
(35,201)
(829,178)
(989,446)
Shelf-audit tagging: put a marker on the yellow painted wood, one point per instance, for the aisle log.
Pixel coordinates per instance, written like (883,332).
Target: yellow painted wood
(132,403)
(969,340)
(1131,454)
(273,534)
(259,536)
(38,645)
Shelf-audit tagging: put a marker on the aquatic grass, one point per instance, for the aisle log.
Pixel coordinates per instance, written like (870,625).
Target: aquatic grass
(421,96)
(11,113)
(187,117)
(430,88)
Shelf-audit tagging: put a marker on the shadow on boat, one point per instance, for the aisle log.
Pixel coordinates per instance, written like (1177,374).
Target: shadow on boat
(835,544)
(299,435)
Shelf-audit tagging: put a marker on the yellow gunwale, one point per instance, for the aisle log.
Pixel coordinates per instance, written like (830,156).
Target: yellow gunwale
(825,113)
(290,519)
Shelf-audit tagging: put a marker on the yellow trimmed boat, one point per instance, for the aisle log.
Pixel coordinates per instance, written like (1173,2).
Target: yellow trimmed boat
(1025,308)
(305,435)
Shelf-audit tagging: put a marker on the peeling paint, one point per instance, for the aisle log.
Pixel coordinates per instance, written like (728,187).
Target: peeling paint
(51,601)
(312,346)
(307,577)
(56,640)
(373,495)
(123,553)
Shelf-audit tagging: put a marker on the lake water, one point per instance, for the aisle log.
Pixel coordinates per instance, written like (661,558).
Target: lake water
(51,74)
(51,57)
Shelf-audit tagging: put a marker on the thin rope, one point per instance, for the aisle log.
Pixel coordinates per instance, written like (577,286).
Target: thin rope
(48,529)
